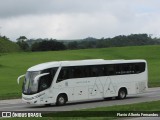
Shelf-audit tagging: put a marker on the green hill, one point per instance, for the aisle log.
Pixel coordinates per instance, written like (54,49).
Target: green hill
(16,64)
(8,46)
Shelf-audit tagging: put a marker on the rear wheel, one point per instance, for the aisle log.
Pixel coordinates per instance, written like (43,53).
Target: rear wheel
(122,93)
(61,100)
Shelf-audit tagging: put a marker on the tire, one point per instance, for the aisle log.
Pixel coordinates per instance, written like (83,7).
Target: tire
(61,100)
(122,94)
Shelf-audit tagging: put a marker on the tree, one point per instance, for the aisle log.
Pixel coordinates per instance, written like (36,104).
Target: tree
(21,41)
(72,45)
(48,45)
(22,38)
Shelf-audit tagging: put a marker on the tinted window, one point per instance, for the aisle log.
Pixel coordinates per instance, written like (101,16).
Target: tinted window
(93,71)
(110,70)
(129,68)
(78,72)
(118,69)
(45,81)
(63,75)
(100,70)
(139,67)
(86,70)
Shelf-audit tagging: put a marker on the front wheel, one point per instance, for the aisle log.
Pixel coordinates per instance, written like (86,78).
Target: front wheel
(122,94)
(61,100)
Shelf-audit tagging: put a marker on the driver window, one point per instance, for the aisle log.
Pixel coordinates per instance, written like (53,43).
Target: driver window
(46,81)
(63,75)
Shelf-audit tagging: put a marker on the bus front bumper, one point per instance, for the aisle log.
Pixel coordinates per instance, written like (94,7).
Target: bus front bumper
(39,98)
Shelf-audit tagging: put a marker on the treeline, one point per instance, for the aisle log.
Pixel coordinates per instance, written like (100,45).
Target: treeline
(52,44)
(49,45)
(118,41)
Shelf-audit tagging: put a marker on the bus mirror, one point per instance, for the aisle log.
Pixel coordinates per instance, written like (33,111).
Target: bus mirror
(38,76)
(18,79)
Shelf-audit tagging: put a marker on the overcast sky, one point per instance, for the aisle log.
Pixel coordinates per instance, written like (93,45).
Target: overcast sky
(73,19)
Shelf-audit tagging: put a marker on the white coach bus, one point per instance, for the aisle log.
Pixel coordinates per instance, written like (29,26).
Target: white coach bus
(63,81)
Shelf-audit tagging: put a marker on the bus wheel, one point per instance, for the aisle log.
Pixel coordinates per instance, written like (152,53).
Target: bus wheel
(61,100)
(122,93)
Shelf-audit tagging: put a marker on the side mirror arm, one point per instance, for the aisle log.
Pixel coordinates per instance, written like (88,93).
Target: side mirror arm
(18,79)
(38,76)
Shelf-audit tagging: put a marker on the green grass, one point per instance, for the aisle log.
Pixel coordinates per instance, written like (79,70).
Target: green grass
(145,106)
(148,107)
(137,107)
(14,64)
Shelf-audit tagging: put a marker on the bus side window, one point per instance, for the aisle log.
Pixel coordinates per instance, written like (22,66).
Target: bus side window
(142,67)
(110,70)
(86,70)
(101,70)
(94,71)
(139,67)
(118,69)
(63,75)
(78,73)
(131,68)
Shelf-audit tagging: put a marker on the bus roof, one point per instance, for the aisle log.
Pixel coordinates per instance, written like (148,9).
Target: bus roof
(79,63)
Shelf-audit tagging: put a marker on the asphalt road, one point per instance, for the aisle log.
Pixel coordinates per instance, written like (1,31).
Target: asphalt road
(152,94)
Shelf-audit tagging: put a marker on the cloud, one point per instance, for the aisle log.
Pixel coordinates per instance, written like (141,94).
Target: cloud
(58,26)
(72,19)
(11,8)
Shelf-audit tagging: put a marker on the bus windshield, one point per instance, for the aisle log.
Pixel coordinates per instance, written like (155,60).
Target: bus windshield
(28,85)
(44,82)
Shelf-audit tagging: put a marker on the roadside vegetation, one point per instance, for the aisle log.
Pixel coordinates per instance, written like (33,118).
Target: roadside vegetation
(7,46)
(86,43)
(33,45)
